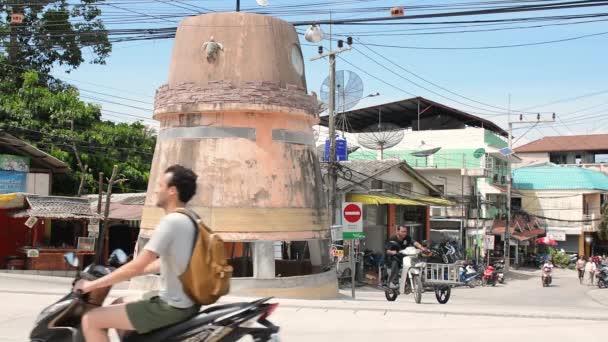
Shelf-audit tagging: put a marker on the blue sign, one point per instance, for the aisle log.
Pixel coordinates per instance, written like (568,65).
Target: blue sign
(12,181)
(341,149)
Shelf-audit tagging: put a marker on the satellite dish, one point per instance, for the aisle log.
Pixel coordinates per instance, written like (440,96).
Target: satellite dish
(381,136)
(478,153)
(349,90)
(425,150)
(262,3)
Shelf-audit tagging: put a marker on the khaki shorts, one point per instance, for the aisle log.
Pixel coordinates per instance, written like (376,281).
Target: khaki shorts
(153,313)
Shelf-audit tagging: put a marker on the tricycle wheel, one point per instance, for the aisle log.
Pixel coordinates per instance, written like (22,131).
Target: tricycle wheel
(417,289)
(443,294)
(391,295)
(601,283)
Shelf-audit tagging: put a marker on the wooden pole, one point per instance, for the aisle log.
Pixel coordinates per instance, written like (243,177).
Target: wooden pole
(102,244)
(99,200)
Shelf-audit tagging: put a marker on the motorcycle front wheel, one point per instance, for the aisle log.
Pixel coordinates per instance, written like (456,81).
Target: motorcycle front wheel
(601,284)
(391,295)
(417,288)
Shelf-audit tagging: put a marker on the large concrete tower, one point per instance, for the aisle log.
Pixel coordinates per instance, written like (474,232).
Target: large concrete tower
(236,111)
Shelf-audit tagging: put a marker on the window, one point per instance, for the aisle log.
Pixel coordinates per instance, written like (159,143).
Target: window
(405,187)
(376,184)
(441,189)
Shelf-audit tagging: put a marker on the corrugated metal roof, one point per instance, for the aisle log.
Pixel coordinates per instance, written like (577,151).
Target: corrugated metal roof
(589,142)
(403,112)
(57,207)
(38,157)
(559,178)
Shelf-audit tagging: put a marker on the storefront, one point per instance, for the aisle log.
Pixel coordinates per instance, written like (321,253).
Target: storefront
(43,228)
(382,214)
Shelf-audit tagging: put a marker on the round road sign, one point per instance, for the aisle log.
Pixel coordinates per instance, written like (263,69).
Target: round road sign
(352,213)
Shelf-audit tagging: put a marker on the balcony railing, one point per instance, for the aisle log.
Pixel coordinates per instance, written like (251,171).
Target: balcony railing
(590,223)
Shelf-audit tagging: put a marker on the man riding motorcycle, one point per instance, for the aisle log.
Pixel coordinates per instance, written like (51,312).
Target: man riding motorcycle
(546,273)
(395,244)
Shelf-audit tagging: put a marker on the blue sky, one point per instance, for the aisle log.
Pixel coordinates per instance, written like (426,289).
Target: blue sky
(532,75)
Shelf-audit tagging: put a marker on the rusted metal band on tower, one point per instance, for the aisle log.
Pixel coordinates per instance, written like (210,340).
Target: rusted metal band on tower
(206,133)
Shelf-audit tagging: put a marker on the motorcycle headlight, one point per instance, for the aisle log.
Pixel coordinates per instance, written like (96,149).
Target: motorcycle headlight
(52,310)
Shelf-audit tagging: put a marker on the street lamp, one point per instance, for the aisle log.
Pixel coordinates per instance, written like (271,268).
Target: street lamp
(314,34)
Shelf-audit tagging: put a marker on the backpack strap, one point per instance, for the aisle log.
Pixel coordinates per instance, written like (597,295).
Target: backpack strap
(193,217)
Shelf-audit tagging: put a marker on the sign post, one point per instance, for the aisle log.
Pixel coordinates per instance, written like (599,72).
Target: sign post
(488,245)
(352,218)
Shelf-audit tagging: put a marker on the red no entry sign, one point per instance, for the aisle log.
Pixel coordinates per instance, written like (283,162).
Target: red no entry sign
(352,213)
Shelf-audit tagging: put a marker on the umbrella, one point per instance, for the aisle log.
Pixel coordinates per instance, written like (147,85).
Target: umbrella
(546,241)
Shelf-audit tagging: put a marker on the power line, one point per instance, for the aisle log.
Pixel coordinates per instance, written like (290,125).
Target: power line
(488,47)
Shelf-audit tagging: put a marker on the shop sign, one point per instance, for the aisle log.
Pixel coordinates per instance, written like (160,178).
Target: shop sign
(16,18)
(12,181)
(32,253)
(14,163)
(556,235)
(86,244)
(31,221)
(488,242)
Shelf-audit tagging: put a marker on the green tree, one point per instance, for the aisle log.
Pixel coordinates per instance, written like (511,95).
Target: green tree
(44,117)
(53,32)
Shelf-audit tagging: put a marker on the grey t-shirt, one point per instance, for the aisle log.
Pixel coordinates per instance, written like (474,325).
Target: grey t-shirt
(172,241)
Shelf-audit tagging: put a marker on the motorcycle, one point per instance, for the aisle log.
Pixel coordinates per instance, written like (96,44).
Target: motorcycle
(546,276)
(469,276)
(602,277)
(60,321)
(411,278)
(493,274)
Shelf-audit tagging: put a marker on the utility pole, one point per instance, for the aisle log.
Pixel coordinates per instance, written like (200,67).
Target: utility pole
(331,171)
(83,168)
(102,242)
(507,243)
(331,119)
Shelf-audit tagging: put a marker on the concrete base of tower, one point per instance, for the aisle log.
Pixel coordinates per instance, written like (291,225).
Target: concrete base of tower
(313,286)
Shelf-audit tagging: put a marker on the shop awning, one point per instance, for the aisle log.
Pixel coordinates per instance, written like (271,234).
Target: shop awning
(12,201)
(127,212)
(433,201)
(381,199)
(55,207)
(419,200)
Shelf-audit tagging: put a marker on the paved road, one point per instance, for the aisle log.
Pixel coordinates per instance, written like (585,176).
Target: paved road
(521,308)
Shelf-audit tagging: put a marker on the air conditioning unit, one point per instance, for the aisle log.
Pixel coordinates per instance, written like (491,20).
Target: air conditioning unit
(438,211)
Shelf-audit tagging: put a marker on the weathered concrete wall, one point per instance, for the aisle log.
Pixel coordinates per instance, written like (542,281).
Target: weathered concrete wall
(314,286)
(242,121)
(188,97)
(255,48)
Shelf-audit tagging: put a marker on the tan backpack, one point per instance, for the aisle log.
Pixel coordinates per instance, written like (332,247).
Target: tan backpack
(208,274)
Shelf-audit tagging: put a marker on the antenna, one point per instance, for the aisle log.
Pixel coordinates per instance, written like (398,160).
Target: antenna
(381,136)
(349,90)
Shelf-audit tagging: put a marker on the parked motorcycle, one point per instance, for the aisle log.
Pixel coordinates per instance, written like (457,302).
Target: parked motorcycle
(493,274)
(602,277)
(469,276)
(60,322)
(546,276)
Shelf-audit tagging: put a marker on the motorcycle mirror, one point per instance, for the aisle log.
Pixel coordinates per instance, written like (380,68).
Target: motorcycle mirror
(71,259)
(117,258)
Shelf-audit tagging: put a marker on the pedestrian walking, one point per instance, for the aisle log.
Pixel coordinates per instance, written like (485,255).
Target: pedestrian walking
(580,267)
(590,272)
